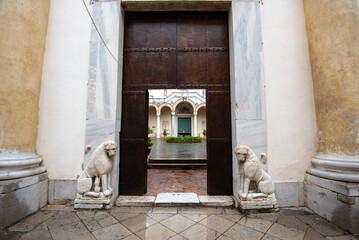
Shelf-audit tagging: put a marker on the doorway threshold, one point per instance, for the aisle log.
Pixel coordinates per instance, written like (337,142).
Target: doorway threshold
(175,199)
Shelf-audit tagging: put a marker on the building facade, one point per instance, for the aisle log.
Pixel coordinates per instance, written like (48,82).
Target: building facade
(293,67)
(180,112)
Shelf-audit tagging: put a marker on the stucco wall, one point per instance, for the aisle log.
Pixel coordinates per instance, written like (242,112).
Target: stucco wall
(201,117)
(22,44)
(152,119)
(291,122)
(166,116)
(333,36)
(62,114)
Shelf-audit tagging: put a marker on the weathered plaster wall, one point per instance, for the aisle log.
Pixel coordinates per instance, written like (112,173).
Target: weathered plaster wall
(62,114)
(333,36)
(22,43)
(291,122)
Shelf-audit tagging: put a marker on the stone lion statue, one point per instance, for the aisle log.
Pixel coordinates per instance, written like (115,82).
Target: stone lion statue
(99,166)
(252,171)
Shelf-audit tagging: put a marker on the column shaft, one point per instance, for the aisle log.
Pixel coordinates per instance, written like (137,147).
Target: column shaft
(158,126)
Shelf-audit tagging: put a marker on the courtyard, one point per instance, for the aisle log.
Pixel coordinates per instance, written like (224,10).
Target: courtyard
(157,223)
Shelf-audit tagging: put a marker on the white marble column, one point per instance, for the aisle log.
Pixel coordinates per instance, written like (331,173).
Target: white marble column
(158,126)
(195,124)
(173,123)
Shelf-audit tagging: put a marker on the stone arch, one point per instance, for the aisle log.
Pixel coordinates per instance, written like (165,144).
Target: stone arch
(155,106)
(200,106)
(165,105)
(185,100)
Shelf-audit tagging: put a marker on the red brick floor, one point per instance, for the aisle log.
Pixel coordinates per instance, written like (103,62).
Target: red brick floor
(176,180)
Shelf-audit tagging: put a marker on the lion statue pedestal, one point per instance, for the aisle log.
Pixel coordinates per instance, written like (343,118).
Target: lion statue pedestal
(92,186)
(250,169)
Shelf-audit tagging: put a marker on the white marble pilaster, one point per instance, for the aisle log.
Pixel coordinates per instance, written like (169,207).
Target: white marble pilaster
(158,126)
(173,123)
(104,83)
(195,125)
(247,84)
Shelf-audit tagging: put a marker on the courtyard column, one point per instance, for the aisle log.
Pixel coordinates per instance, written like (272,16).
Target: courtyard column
(173,123)
(23,29)
(332,31)
(195,124)
(158,125)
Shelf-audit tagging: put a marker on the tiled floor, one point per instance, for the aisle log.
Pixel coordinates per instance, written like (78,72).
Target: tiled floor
(176,180)
(63,222)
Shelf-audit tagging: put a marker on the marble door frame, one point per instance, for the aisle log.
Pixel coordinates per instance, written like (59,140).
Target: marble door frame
(246,79)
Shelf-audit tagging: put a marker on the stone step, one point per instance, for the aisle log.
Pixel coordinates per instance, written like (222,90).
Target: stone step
(177,162)
(175,200)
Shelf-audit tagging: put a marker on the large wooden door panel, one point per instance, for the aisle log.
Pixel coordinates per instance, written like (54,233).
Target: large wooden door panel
(166,50)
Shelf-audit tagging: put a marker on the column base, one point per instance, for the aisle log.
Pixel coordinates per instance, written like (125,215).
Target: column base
(337,201)
(22,197)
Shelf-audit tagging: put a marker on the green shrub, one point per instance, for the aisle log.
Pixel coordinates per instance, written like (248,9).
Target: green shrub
(187,139)
(150,143)
(150,130)
(204,132)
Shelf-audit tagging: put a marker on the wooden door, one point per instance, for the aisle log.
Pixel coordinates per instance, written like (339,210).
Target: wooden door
(184,50)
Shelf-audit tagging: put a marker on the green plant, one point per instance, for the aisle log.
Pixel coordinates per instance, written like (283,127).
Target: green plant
(150,130)
(186,139)
(165,132)
(150,143)
(204,132)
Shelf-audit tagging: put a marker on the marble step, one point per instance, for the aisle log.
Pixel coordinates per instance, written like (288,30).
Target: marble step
(175,200)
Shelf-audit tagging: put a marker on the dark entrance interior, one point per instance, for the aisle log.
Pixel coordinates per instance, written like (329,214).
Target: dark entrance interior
(169,50)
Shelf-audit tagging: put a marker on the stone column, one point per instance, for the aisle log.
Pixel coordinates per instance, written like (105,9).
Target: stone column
(195,124)
(158,125)
(333,32)
(22,44)
(173,123)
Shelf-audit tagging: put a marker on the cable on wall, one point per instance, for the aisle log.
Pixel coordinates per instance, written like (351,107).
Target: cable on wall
(98,32)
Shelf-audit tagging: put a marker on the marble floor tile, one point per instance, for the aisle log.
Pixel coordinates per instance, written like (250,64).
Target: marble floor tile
(132,210)
(160,216)
(195,216)
(104,219)
(53,207)
(173,210)
(231,211)
(132,237)
(156,232)
(91,224)
(85,214)
(311,234)
(178,237)
(32,221)
(113,232)
(177,223)
(70,231)
(258,224)
(240,232)
(61,219)
(224,238)
(40,232)
(321,225)
(200,232)
(273,217)
(293,222)
(138,223)
(217,223)
(268,237)
(344,237)
(201,210)
(284,232)
(232,217)
(121,215)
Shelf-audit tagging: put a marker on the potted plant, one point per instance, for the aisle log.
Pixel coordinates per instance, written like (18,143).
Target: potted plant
(165,133)
(149,145)
(204,133)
